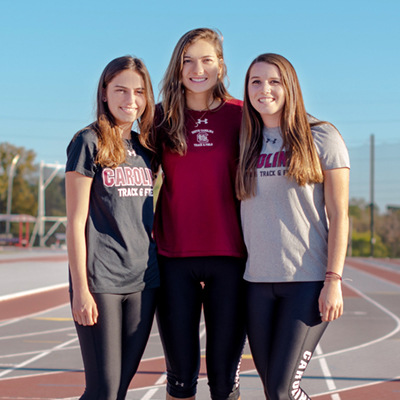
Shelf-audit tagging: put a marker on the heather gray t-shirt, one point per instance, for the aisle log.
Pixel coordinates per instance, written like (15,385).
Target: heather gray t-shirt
(285,225)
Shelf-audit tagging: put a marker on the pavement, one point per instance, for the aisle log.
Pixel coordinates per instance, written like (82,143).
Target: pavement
(357,358)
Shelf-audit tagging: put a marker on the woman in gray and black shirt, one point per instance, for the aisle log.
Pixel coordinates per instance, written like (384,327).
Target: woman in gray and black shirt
(112,256)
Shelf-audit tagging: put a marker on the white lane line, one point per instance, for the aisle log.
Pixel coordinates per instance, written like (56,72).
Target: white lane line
(33,291)
(30,353)
(161,380)
(24,317)
(22,335)
(37,357)
(327,373)
(325,369)
(149,394)
(377,265)
(378,340)
(336,396)
(202,333)
(364,385)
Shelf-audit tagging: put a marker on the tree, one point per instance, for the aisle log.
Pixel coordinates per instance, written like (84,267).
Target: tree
(359,212)
(388,227)
(23,185)
(386,235)
(361,245)
(55,197)
(23,192)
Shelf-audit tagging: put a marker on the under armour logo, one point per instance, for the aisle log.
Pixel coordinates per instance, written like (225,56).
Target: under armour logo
(131,153)
(273,141)
(199,121)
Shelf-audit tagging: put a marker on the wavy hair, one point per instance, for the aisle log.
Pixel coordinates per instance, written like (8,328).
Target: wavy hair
(111,149)
(173,91)
(302,158)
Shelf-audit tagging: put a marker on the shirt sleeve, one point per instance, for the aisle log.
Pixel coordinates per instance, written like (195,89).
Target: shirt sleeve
(81,153)
(331,147)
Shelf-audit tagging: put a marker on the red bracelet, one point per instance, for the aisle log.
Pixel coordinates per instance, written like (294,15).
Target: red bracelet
(331,274)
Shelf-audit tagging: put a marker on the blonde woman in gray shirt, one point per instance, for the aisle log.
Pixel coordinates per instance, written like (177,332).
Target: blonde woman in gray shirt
(293,180)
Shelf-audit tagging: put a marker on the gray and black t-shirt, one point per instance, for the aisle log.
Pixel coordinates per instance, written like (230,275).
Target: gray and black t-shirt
(121,253)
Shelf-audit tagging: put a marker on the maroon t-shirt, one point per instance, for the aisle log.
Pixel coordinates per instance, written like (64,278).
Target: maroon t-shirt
(197,211)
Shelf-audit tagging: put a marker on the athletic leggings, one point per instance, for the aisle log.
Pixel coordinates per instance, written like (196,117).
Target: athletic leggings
(283,327)
(112,348)
(178,315)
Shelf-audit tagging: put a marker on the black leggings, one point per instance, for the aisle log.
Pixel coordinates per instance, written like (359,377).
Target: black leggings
(283,327)
(112,348)
(178,314)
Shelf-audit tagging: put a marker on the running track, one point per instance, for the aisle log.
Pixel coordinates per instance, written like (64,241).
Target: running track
(358,357)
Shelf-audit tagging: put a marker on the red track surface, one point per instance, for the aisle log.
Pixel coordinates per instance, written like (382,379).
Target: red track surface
(56,385)
(33,303)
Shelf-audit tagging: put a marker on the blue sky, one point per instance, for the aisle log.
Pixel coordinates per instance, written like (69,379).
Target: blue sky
(346,54)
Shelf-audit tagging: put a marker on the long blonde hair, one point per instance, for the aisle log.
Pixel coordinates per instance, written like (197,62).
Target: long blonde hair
(111,149)
(302,157)
(173,91)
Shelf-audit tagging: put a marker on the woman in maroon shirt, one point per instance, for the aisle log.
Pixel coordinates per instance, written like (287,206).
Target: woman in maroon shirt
(197,223)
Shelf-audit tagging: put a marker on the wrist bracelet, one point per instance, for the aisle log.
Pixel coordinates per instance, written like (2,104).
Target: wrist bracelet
(331,274)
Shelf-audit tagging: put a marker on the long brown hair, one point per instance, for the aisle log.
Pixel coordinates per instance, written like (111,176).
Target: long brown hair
(303,161)
(173,91)
(111,150)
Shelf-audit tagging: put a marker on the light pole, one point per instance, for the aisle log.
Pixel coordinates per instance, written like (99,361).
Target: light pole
(10,184)
(372,191)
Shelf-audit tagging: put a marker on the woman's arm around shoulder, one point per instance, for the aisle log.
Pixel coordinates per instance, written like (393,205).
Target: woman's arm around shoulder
(77,188)
(336,190)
